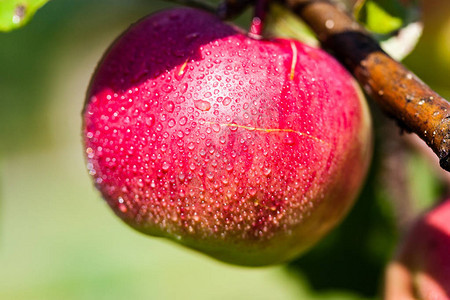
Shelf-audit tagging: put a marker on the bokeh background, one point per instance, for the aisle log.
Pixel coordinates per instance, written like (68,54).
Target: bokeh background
(59,240)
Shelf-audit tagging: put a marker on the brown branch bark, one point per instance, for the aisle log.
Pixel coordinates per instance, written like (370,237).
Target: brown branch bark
(401,94)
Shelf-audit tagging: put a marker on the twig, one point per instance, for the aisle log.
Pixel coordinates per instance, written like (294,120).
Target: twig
(259,15)
(403,96)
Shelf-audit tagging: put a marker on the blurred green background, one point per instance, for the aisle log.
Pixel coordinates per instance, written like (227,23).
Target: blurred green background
(59,240)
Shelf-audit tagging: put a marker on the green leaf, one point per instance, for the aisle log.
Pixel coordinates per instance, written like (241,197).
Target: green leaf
(386,16)
(378,18)
(394,23)
(282,22)
(16,13)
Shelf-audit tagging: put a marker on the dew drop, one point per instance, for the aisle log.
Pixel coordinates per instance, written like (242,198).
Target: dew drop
(289,140)
(150,121)
(183,88)
(181,176)
(226,101)
(180,99)
(123,208)
(183,121)
(169,106)
(329,24)
(215,127)
(233,127)
(202,105)
(165,166)
(90,152)
(167,88)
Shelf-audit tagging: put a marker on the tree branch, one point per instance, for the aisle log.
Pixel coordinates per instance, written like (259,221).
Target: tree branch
(401,94)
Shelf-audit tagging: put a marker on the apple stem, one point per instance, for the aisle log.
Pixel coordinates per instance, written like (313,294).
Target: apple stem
(400,93)
(257,25)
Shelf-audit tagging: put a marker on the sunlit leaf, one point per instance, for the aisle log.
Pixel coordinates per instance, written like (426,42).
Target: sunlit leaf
(16,13)
(283,23)
(394,23)
(377,18)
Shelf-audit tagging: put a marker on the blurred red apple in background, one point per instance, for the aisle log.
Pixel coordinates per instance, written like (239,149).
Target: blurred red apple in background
(421,269)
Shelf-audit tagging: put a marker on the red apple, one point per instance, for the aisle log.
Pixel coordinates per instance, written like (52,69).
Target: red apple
(421,269)
(248,150)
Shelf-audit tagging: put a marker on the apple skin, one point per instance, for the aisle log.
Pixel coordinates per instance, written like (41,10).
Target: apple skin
(247,150)
(421,268)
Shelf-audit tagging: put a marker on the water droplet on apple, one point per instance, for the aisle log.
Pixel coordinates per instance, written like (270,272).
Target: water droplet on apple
(183,121)
(169,106)
(165,166)
(167,88)
(183,88)
(226,101)
(215,127)
(202,105)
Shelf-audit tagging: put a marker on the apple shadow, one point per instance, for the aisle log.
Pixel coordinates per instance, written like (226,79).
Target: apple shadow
(352,257)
